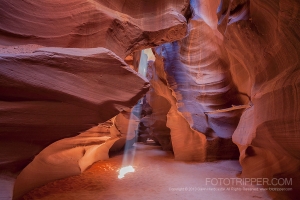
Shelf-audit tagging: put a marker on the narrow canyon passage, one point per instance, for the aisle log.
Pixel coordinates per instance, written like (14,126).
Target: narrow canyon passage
(214,85)
(156,176)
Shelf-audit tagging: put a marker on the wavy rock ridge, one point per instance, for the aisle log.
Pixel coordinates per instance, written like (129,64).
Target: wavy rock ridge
(233,75)
(264,48)
(62,70)
(75,80)
(198,72)
(88,24)
(250,72)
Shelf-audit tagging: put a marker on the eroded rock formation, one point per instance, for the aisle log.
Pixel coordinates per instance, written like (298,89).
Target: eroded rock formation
(74,88)
(156,121)
(64,158)
(61,62)
(232,75)
(198,72)
(251,73)
(262,39)
(188,144)
(96,23)
(55,93)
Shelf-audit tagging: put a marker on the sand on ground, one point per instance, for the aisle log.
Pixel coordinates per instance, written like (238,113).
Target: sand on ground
(157,176)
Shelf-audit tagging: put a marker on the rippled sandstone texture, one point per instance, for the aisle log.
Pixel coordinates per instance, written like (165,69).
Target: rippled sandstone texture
(97,23)
(62,70)
(242,84)
(55,93)
(262,39)
(244,54)
(155,121)
(52,93)
(198,73)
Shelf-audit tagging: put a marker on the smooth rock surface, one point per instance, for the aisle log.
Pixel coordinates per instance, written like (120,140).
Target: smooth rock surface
(97,23)
(55,93)
(154,178)
(262,40)
(198,72)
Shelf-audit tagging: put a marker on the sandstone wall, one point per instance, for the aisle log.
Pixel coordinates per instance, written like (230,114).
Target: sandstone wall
(262,39)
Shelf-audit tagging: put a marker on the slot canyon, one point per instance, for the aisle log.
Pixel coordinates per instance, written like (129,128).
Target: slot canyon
(149,99)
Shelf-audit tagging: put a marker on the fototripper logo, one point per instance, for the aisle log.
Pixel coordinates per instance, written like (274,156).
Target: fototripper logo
(239,185)
(249,181)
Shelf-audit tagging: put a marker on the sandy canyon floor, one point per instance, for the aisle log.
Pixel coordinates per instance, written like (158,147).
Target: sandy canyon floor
(156,176)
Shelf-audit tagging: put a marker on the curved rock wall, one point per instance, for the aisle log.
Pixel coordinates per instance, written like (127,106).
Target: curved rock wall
(96,23)
(198,72)
(188,144)
(235,74)
(255,68)
(153,124)
(50,93)
(262,39)
(55,93)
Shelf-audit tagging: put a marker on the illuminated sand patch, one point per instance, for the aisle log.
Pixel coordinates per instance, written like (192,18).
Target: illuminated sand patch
(125,170)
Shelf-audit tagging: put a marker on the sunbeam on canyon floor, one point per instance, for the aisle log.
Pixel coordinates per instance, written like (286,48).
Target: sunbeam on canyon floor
(156,176)
(125,170)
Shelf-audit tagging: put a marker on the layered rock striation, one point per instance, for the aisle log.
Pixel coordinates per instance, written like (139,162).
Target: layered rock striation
(55,93)
(62,71)
(51,93)
(262,40)
(232,75)
(187,143)
(96,23)
(198,72)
